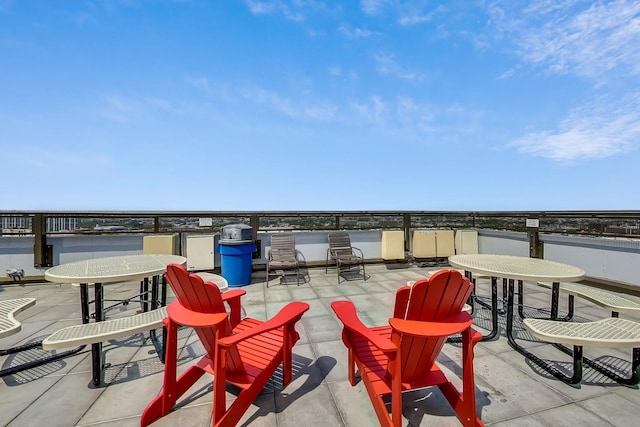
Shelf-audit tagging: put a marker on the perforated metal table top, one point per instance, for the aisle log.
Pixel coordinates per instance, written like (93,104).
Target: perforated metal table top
(517,268)
(112,269)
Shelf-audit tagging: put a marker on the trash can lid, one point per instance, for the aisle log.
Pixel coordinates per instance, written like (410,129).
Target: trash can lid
(236,234)
(245,226)
(234,242)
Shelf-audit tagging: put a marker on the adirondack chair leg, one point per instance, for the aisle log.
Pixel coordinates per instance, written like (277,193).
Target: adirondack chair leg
(352,368)
(464,407)
(351,362)
(470,338)
(163,403)
(286,354)
(219,388)
(378,404)
(172,389)
(396,400)
(243,400)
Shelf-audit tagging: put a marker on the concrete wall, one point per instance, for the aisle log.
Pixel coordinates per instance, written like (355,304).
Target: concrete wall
(503,243)
(600,258)
(17,252)
(609,259)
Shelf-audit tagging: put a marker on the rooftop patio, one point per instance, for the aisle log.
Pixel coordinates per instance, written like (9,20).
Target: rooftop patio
(510,390)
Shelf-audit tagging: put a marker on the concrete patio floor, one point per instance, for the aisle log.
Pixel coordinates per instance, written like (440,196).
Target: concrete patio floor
(510,390)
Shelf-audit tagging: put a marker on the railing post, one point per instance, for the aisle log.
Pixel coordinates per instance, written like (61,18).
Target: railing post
(535,245)
(406,224)
(42,253)
(254,222)
(156,224)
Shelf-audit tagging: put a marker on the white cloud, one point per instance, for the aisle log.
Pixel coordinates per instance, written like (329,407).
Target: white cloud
(373,111)
(510,72)
(299,109)
(589,39)
(387,65)
(413,14)
(356,33)
(406,119)
(372,7)
(123,109)
(294,10)
(604,128)
(261,7)
(406,13)
(335,70)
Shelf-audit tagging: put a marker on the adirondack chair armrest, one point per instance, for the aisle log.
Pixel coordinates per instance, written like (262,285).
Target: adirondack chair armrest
(346,312)
(233,299)
(185,317)
(291,312)
(237,293)
(452,325)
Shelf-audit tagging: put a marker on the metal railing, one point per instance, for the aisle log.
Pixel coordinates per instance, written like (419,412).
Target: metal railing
(614,224)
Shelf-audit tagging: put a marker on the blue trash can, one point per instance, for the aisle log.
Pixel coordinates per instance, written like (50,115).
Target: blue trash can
(236,254)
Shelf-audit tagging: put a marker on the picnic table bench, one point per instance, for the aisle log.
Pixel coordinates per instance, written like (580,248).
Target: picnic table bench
(90,333)
(9,326)
(610,300)
(609,332)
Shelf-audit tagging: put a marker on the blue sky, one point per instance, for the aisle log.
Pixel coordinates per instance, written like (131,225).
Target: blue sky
(319,105)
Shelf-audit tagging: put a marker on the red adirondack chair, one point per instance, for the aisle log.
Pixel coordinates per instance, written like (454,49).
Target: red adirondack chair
(402,356)
(244,352)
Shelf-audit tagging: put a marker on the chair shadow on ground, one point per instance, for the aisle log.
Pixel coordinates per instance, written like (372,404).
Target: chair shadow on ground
(353,274)
(430,401)
(288,277)
(132,370)
(314,370)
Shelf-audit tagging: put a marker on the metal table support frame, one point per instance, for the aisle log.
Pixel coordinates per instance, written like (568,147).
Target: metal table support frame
(495,310)
(577,353)
(495,328)
(97,357)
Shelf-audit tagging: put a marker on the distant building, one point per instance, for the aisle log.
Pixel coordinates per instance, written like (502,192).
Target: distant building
(61,224)
(22,224)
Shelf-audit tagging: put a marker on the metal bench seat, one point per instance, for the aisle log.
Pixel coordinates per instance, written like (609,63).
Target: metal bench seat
(8,324)
(610,332)
(610,300)
(89,333)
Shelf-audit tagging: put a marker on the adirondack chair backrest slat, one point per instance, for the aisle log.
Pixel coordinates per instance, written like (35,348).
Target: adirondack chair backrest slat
(196,295)
(434,299)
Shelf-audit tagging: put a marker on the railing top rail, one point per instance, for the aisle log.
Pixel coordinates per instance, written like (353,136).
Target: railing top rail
(530,213)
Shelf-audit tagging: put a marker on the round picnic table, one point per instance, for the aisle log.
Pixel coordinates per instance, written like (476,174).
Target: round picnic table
(519,268)
(107,270)
(219,281)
